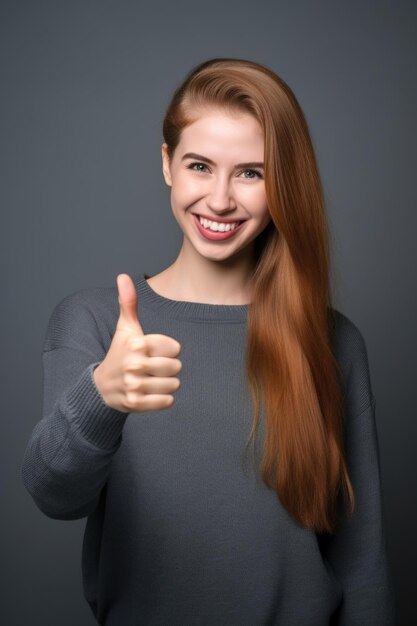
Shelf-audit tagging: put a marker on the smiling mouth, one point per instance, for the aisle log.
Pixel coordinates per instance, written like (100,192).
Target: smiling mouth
(217,233)
(219,221)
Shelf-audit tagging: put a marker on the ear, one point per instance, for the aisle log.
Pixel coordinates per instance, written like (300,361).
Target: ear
(166,166)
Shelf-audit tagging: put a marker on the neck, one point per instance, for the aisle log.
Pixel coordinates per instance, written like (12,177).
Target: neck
(197,279)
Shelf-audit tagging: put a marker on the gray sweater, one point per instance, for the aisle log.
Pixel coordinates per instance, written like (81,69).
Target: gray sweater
(180,530)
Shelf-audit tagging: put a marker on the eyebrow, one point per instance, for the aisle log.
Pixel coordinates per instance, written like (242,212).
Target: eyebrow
(193,155)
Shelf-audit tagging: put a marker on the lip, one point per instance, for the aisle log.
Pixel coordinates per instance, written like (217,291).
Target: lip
(220,220)
(214,235)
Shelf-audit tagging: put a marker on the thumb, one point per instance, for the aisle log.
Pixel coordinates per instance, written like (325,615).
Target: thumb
(128,302)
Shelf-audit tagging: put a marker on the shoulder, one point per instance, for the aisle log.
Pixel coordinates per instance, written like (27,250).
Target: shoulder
(350,350)
(347,339)
(82,314)
(92,299)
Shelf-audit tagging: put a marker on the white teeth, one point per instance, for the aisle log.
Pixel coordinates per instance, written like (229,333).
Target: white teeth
(217,226)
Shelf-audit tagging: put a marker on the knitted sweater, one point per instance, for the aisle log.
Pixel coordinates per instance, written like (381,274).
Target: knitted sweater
(180,531)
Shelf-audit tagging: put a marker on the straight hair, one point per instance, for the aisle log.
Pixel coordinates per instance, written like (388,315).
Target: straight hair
(292,371)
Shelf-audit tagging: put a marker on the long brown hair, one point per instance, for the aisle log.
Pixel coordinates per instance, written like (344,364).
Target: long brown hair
(290,363)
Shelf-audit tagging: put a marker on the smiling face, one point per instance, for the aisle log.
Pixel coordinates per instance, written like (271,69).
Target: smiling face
(217,173)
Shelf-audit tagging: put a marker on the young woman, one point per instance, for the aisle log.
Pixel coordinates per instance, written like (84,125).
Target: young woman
(155,388)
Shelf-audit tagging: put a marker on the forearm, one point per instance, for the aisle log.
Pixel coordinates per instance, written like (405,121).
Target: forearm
(68,457)
(358,552)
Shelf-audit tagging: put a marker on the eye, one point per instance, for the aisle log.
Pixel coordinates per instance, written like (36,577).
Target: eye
(191,166)
(256,172)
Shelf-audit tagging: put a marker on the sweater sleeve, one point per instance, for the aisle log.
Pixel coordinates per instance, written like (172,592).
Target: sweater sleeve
(70,450)
(357,551)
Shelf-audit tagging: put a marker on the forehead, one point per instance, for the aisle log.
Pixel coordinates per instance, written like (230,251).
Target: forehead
(218,128)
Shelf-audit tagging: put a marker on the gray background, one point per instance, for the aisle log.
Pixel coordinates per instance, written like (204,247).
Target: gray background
(84,86)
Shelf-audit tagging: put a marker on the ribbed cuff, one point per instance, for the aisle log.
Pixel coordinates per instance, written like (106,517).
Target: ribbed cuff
(93,418)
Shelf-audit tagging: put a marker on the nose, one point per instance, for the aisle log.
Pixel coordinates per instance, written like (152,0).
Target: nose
(220,198)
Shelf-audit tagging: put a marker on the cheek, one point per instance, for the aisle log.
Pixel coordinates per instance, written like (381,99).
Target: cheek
(185,190)
(255,200)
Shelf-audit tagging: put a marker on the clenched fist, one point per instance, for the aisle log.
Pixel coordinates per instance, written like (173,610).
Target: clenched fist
(139,371)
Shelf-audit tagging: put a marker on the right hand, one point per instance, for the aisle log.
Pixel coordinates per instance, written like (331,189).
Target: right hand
(138,372)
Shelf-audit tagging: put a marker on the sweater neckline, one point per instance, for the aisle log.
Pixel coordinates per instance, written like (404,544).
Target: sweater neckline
(183,309)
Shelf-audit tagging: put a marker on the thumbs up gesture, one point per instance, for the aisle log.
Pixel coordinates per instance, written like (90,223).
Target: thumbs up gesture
(139,371)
